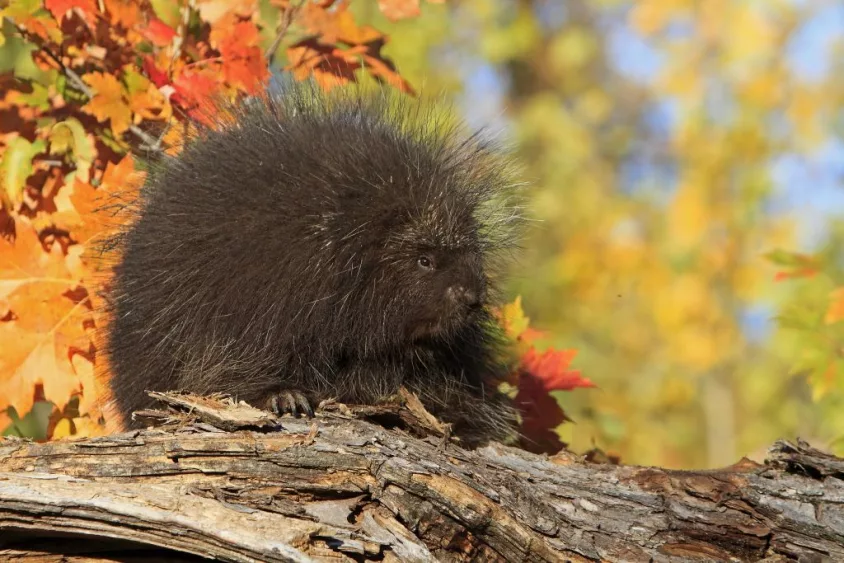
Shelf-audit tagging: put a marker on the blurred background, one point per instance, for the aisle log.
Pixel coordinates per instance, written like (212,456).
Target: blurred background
(684,162)
(670,146)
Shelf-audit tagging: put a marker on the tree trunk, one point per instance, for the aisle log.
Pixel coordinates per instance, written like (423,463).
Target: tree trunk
(347,489)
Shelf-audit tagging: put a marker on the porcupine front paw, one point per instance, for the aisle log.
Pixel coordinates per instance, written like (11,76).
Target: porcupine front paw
(290,401)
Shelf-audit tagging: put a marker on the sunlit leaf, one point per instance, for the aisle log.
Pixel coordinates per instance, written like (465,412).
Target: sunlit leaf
(70,135)
(59,8)
(109,101)
(167,11)
(15,168)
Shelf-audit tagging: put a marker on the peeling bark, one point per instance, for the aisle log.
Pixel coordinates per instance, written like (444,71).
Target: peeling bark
(346,489)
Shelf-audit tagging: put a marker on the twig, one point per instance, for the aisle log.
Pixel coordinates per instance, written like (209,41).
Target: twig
(179,38)
(152,144)
(286,19)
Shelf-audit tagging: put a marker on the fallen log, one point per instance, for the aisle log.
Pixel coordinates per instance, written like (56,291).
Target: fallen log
(235,484)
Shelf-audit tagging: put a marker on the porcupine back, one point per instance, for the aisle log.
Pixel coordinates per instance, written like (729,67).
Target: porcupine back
(286,248)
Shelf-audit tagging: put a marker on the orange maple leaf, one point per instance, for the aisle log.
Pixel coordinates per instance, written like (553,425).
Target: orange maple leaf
(835,311)
(109,101)
(335,25)
(195,93)
(90,213)
(342,27)
(125,13)
(243,61)
(551,368)
(326,65)
(247,70)
(47,327)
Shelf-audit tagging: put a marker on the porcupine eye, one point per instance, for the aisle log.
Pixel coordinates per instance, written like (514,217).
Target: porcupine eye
(425,262)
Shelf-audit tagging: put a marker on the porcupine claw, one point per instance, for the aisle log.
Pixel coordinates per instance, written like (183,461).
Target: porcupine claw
(290,401)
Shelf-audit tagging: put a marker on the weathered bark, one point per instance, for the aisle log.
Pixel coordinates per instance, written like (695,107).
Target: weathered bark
(343,489)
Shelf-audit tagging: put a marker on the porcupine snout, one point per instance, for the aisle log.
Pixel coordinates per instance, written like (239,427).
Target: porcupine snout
(468,297)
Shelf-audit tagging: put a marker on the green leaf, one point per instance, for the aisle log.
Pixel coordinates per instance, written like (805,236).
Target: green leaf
(106,137)
(135,82)
(39,98)
(69,135)
(789,259)
(16,168)
(167,11)
(33,425)
(22,8)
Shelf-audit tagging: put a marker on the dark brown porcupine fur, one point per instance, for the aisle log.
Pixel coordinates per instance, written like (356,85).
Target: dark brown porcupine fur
(336,245)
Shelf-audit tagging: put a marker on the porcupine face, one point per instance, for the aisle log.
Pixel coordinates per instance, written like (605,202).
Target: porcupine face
(453,292)
(437,270)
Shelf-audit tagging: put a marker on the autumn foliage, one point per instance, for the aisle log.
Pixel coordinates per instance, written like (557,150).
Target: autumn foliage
(108,80)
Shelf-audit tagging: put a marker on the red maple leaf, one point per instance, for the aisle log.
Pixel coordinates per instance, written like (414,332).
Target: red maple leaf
(194,92)
(551,368)
(540,415)
(158,33)
(61,7)
(156,75)
(538,375)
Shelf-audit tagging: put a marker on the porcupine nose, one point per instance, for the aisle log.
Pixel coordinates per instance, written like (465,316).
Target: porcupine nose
(465,296)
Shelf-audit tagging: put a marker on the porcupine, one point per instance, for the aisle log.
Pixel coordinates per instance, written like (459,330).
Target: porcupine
(319,246)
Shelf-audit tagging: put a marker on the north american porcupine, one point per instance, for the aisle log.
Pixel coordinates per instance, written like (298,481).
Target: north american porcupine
(318,246)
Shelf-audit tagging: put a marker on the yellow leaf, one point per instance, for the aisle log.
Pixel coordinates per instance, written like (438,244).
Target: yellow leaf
(15,168)
(63,429)
(750,31)
(150,104)
(696,347)
(595,105)
(803,112)
(513,318)
(684,81)
(87,427)
(70,135)
(824,382)
(572,49)
(109,101)
(91,395)
(688,216)
(765,90)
